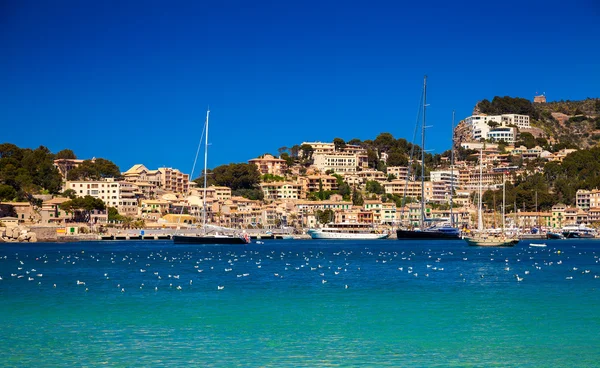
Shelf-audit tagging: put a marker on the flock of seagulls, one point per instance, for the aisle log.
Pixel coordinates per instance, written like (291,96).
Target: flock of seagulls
(359,266)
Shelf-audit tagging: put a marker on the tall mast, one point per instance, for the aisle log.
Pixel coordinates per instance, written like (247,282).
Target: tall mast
(205,172)
(423,154)
(479,212)
(503,201)
(452,172)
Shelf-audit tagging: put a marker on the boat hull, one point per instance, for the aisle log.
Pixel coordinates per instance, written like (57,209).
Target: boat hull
(416,235)
(346,236)
(555,236)
(577,235)
(192,239)
(491,242)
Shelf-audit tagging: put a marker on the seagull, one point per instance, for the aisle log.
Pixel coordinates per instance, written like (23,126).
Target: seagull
(220,287)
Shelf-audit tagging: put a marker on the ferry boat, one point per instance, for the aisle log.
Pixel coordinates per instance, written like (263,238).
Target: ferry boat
(347,231)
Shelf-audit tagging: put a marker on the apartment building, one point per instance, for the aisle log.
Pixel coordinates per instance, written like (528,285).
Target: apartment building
(52,214)
(107,190)
(281,190)
(400,172)
(166,178)
(268,164)
(128,199)
(433,191)
(449,177)
(314,183)
(347,160)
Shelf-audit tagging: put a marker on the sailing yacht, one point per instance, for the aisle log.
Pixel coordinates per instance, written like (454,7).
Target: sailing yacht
(483,238)
(444,231)
(207,237)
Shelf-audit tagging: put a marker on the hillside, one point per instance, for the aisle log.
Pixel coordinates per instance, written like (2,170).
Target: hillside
(563,123)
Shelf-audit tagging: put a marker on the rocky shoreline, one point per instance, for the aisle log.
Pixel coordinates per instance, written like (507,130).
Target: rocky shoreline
(18,234)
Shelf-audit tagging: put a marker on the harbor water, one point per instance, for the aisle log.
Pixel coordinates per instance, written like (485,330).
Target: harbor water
(292,303)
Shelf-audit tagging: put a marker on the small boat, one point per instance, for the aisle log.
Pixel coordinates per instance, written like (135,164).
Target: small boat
(537,244)
(491,241)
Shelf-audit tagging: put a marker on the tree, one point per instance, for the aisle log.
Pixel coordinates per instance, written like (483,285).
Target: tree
(70,193)
(307,153)
(113,215)
(65,154)
(339,144)
(384,142)
(7,210)
(396,158)
(324,216)
(375,187)
(81,207)
(241,178)
(94,170)
(7,193)
(526,139)
(357,198)
(354,142)
(289,160)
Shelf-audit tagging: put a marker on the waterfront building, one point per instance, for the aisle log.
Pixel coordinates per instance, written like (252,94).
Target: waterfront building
(558,216)
(52,214)
(25,212)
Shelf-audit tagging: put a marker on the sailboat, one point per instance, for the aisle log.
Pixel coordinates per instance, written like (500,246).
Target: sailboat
(434,231)
(205,237)
(481,238)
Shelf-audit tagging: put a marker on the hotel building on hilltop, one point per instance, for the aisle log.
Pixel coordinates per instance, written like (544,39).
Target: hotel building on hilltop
(480,127)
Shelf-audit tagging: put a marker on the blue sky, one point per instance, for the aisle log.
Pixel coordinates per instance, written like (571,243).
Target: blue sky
(130,81)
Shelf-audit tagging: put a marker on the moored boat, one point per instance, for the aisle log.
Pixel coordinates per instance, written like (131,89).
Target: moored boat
(434,232)
(206,237)
(491,241)
(341,233)
(210,239)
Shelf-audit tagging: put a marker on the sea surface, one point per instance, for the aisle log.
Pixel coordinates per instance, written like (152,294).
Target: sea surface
(300,303)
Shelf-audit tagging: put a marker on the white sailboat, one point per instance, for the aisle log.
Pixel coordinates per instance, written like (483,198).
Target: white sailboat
(483,238)
(207,237)
(429,229)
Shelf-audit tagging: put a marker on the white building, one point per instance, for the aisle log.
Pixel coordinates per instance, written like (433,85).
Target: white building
(339,162)
(506,134)
(120,195)
(480,124)
(446,176)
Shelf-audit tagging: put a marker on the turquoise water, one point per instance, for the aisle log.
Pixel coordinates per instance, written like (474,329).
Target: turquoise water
(300,303)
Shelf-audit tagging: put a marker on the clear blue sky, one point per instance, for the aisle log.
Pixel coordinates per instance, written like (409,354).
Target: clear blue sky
(130,80)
